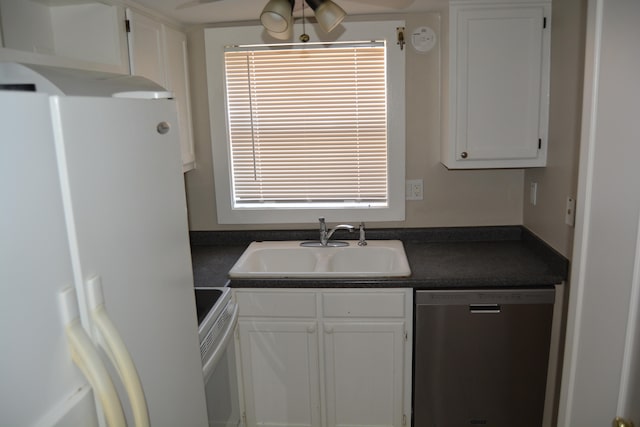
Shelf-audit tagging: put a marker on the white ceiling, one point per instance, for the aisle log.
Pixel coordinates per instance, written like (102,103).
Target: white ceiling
(217,11)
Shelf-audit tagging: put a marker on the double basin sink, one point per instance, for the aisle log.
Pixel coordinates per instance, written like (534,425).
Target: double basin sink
(290,259)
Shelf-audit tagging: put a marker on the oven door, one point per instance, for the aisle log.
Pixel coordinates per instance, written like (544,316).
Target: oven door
(220,380)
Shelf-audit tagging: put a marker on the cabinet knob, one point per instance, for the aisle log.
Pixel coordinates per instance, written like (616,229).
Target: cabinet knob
(328,330)
(311,329)
(464,154)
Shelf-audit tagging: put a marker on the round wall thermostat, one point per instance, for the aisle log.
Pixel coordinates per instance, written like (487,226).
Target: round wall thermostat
(423,39)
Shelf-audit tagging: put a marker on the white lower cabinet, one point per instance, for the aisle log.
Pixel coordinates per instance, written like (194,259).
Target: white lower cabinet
(280,370)
(325,357)
(364,373)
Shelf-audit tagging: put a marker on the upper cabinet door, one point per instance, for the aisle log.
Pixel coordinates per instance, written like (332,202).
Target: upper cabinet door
(498,86)
(159,53)
(178,83)
(146,48)
(86,35)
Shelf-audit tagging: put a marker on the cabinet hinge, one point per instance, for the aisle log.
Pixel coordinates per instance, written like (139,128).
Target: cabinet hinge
(127,25)
(544,22)
(406,336)
(539,143)
(400,35)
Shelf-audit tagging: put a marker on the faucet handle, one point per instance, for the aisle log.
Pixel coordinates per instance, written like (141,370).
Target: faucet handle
(363,240)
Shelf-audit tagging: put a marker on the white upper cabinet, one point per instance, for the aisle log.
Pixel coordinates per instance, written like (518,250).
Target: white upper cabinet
(159,53)
(88,34)
(496,98)
(146,47)
(99,36)
(177,70)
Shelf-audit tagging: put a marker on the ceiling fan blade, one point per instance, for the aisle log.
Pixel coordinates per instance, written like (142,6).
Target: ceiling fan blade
(194,3)
(394,4)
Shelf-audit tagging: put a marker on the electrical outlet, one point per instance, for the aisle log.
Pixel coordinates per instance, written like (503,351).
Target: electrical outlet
(414,189)
(533,193)
(570,213)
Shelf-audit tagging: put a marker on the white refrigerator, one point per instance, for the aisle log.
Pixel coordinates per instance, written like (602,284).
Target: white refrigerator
(98,321)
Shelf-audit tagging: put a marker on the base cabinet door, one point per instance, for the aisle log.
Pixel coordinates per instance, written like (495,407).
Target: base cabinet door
(364,373)
(280,373)
(325,357)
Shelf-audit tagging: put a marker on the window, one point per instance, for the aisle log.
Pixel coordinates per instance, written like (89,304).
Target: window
(309,131)
(308,125)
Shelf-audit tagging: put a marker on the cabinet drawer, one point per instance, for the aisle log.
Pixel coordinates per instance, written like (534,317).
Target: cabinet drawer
(276,304)
(363,304)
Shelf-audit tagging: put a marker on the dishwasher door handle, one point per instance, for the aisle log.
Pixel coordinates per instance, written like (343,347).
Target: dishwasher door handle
(484,308)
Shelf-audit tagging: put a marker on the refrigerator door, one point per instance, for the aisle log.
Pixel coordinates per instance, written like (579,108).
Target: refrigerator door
(40,383)
(126,214)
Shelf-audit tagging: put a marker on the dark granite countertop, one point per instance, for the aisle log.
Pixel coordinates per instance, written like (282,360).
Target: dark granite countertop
(460,257)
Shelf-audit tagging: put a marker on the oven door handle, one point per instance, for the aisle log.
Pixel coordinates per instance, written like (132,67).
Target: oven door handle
(208,366)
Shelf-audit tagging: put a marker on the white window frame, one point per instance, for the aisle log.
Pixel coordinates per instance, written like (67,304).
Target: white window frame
(215,41)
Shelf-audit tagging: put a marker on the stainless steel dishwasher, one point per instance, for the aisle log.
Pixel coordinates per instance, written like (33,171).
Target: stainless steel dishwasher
(481,357)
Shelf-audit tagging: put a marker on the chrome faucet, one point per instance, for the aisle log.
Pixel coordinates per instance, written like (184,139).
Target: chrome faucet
(325,233)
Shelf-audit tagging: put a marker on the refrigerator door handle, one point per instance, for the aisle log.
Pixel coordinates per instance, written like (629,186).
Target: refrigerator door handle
(86,357)
(118,353)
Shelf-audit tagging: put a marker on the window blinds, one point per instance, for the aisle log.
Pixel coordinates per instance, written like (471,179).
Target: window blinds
(308,125)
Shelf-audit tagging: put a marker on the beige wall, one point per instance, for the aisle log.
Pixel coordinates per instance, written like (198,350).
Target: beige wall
(559,179)
(451,198)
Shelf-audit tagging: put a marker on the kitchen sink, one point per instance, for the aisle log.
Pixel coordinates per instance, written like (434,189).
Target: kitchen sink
(288,259)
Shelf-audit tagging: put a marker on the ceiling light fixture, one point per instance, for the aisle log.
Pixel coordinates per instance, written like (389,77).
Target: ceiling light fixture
(328,14)
(277,16)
